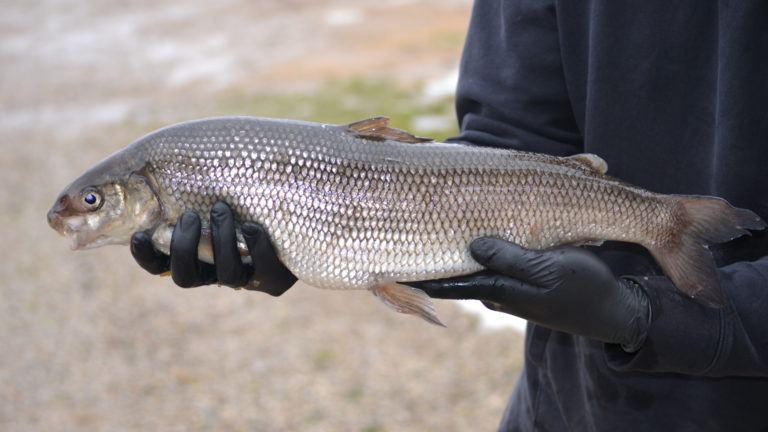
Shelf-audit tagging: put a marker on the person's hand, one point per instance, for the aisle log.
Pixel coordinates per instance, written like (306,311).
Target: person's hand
(565,288)
(187,271)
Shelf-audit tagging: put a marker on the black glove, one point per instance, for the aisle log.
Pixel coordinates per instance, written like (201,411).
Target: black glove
(187,271)
(565,288)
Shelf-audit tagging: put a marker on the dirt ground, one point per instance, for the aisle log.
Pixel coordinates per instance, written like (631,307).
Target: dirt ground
(91,342)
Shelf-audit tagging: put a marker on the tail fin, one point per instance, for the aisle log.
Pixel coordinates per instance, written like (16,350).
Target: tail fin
(685,258)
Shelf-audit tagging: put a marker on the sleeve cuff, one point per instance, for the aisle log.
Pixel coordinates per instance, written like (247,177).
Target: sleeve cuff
(684,336)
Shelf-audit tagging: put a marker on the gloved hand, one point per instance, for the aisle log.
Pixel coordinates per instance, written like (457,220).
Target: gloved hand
(187,271)
(565,288)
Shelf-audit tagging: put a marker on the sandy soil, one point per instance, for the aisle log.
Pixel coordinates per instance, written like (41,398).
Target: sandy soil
(91,342)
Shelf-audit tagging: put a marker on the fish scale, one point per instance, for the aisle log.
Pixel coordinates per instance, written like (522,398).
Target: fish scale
(362,206)
(340,219)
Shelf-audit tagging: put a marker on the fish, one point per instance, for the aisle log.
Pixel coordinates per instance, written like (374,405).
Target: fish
(365,205)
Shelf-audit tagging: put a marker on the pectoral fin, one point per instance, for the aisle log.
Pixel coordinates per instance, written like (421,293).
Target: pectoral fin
(409,300)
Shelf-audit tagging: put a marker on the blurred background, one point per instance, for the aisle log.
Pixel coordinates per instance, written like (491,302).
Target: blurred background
(92,342)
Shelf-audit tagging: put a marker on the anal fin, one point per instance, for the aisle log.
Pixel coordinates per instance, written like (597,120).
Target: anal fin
(408,300)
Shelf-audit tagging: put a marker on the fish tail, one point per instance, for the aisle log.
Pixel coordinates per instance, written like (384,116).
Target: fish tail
(685,258)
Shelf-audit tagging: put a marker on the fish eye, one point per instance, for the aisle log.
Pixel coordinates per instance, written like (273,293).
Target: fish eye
(91,199)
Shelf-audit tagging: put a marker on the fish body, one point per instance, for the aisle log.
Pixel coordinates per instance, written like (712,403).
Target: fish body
(362,206)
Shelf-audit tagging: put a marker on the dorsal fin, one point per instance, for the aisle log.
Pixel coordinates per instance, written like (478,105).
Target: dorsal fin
(377,128)
(591,161)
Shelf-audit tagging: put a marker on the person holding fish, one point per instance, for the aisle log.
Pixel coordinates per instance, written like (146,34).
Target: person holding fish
(672,97)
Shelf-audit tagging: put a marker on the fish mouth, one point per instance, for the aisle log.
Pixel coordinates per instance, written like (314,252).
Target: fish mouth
(76,242)
(75,229)
(81,240)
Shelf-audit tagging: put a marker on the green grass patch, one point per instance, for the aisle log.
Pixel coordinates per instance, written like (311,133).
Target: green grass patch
(346,101)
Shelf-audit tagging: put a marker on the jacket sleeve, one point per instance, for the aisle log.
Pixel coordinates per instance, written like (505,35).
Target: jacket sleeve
(688,338)
(511,91)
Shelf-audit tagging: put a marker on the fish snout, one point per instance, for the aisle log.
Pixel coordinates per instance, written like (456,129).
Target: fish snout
(55,219)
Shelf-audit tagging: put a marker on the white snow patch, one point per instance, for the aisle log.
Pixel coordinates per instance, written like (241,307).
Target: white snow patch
(433,122)
(215,70)
(343,16)
(441,87)
(69,118)
(492,320)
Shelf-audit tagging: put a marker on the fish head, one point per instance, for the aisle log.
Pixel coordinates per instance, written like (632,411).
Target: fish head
(106,205)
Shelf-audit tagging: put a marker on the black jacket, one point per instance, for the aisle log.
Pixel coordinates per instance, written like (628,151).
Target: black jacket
(674,96)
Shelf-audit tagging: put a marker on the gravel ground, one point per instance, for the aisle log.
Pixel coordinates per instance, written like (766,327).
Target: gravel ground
(91,342)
